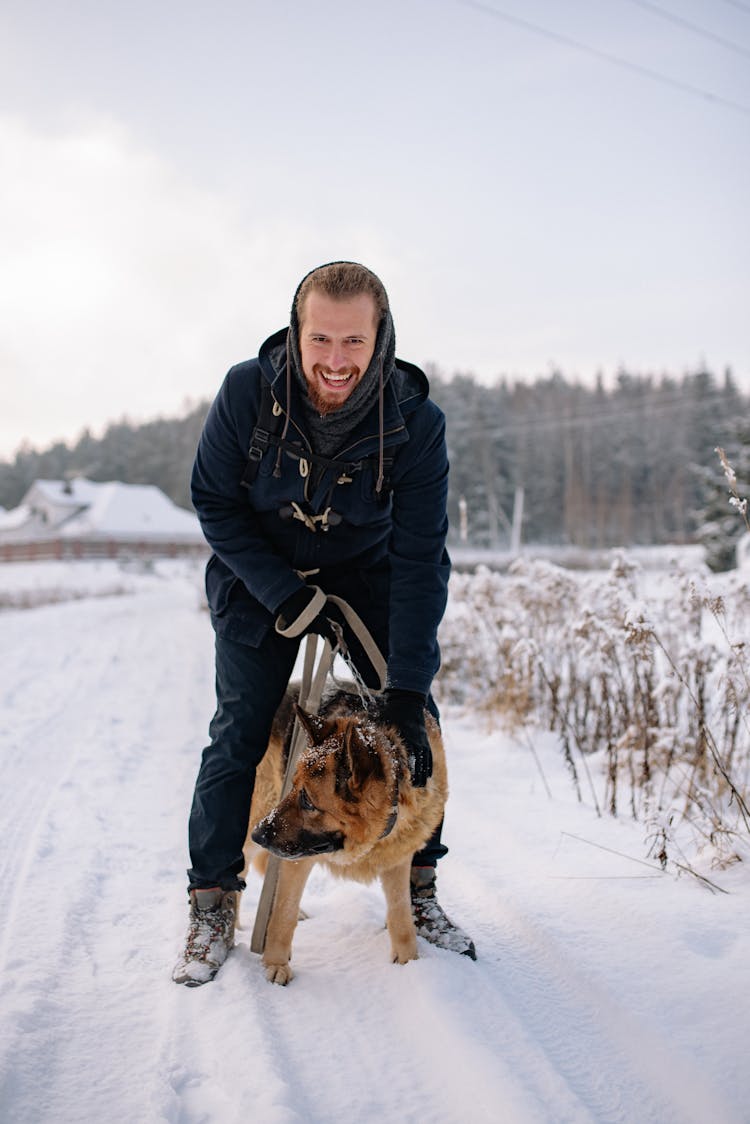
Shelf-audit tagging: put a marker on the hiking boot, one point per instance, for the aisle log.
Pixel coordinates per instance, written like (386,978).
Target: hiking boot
(210,936)
(430,920)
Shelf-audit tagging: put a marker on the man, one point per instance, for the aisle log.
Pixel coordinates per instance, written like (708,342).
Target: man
(322,459)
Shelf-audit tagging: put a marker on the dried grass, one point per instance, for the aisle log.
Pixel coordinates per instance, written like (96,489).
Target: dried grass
(649,698)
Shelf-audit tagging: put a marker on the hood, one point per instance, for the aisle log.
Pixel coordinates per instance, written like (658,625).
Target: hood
(329,433)
(381,364)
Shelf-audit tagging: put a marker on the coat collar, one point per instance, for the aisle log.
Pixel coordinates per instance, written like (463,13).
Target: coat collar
(404,392)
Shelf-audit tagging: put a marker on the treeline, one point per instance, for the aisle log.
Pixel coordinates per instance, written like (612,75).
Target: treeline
(596,466)
(159,452)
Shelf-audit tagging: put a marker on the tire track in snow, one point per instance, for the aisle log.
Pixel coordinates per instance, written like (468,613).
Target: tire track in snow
(215,1058)
(108,816)
(614,1064)
(348,1002)
(614,1067)
(44,707)
(434,1042)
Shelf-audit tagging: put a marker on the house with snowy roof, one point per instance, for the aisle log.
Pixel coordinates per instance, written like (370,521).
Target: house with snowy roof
(82,518)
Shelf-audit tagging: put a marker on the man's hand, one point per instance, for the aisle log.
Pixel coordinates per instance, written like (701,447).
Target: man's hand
(309,610)
(405,711)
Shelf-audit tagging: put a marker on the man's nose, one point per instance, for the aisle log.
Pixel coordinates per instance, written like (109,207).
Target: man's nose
(336,357)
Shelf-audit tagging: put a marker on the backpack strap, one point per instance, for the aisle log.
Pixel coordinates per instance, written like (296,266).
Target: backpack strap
(266,428)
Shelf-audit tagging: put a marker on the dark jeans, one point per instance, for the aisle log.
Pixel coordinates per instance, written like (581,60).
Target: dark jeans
(250,683)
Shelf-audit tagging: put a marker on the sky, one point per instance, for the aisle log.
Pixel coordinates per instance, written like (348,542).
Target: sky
(541,185)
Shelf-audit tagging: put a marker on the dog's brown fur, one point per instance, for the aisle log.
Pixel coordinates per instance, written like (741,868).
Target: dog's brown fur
(349,781)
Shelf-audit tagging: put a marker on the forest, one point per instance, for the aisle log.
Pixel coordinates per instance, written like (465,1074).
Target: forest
(593,466)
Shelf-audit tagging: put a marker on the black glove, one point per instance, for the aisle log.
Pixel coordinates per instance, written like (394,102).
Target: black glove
(405,711)
(297,617)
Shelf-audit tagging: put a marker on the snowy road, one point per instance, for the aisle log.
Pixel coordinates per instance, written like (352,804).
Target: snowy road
(603,992)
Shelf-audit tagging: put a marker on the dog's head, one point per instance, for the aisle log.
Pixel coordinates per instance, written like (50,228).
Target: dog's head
(344,793)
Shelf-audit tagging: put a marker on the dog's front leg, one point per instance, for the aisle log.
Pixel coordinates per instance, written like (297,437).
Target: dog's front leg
(278,951)
(400,922)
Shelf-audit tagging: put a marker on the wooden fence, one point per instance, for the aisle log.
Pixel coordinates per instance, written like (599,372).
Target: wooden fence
(67,549)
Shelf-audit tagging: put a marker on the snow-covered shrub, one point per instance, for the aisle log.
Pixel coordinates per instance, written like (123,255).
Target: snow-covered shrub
(648,693)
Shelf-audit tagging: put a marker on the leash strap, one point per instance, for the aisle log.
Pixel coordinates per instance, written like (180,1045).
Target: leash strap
(311,691)
(361,631)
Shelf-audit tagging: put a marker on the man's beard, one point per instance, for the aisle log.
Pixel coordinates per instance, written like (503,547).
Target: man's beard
(322,404)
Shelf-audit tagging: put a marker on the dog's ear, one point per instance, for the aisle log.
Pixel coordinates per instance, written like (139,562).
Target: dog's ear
(361,758)
(317,728)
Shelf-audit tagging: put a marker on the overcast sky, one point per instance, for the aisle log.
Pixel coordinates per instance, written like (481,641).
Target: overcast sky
(169,171)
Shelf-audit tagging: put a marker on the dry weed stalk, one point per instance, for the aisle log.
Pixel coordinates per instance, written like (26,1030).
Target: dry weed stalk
(654,716)
(734,499)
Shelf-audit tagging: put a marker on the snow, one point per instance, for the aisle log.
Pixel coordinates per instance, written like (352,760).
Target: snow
(16,517)
(30,584)
(743,552)
(605,990)
(65,493)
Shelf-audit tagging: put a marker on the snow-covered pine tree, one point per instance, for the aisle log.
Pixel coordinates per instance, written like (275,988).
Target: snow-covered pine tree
(721,525)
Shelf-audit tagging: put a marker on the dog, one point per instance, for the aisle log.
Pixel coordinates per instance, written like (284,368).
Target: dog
(352,807)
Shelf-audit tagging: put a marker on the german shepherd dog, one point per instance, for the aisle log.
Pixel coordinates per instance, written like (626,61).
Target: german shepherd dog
(351,806)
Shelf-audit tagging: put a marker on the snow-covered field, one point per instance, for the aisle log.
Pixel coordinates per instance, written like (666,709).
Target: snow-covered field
(605,991)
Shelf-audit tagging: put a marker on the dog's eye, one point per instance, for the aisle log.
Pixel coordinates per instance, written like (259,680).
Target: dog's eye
(305,802)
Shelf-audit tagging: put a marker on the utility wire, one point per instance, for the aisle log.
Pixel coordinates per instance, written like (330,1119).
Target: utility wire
(615,60)
(611,414)
(738,4)
(704,32)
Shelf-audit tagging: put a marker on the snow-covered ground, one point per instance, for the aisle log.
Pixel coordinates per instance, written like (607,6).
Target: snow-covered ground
(605,991)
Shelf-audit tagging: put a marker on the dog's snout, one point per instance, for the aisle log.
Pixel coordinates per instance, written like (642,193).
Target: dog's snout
(259,834)
(295,845)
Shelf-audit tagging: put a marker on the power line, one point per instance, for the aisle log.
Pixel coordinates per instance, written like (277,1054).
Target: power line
(738,4)
(613,414)
(681,22)
(615,60)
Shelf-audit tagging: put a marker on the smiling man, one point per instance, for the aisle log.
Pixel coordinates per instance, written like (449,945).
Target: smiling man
(321,470)
(336,343)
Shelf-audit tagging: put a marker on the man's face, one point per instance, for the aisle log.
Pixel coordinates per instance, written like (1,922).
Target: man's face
(336,341)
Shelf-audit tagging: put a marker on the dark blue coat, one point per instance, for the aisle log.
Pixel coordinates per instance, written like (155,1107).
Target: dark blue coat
(387,554)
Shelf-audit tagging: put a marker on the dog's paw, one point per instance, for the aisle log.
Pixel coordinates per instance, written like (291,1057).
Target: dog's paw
(404,953)
(279,974)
